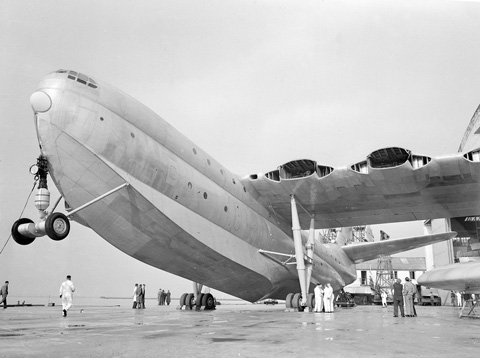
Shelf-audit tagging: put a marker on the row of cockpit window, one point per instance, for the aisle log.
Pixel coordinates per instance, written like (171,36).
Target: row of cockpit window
(80,78)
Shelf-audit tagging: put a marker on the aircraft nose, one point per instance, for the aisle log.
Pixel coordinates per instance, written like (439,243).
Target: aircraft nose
(40,101)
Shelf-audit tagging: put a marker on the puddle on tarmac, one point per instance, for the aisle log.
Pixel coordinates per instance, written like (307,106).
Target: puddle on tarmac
(10,335)
(223,340)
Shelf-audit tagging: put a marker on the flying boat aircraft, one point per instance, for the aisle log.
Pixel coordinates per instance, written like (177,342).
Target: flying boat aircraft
(131,177)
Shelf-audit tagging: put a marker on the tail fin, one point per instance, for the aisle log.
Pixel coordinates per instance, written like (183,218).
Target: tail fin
(471,138)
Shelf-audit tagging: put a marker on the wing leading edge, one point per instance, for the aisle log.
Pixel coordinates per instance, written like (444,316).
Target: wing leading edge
(372,250)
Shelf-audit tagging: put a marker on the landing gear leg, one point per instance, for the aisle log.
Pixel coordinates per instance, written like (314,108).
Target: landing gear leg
(197,289)
(55,225)
(304,262)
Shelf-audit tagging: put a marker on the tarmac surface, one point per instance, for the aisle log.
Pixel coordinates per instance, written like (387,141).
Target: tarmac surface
(248,330)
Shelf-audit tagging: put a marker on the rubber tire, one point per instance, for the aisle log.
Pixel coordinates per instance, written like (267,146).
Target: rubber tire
(182,299)
(288,300)
(57,226)
(311,301)
(208,301)
(296,300)
(19,238)
(199,301)
(189,301)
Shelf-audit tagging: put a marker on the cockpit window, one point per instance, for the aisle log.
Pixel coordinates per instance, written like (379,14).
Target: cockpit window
(80,78)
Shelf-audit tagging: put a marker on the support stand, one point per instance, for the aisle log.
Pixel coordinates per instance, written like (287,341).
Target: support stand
(470,306)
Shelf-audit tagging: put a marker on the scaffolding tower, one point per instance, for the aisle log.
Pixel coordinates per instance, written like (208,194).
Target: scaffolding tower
(385,277)
(327,236)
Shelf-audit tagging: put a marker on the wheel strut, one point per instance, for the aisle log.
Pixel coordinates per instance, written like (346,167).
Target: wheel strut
(55,225)
(304,262)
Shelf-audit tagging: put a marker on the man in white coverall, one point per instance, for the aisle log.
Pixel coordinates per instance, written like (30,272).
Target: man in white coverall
(318,298)
(328,298)
(66,291)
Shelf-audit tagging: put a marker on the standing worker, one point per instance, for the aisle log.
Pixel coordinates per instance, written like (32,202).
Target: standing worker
(162,297)
(139,296)
(168,297)
(328,298)
(66,294)
(398,298)
(384,298)
(4,293)
(318,298)
(453,298)
(409,290)
(134,297)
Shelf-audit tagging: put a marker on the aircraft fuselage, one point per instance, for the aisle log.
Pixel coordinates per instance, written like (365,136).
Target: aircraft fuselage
(183,212)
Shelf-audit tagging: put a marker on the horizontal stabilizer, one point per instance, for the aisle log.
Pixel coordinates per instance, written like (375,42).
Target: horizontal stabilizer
(371,250)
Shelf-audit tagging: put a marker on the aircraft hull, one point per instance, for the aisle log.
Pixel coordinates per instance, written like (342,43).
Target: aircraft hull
(179,213)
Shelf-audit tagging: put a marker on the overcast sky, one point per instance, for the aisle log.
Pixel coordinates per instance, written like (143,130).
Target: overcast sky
(254,83)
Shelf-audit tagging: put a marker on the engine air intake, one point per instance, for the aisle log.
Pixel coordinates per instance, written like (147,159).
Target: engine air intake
(297,169)
(388,157)
(473,156)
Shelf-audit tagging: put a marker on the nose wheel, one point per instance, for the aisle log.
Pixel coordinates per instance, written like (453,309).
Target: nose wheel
(18,237)
(57,226)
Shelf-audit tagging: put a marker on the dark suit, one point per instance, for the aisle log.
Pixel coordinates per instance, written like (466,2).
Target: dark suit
(139,297)
(397,299)
(4,294)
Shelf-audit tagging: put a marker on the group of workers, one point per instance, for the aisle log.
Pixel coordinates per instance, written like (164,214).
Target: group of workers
(323,298)
(163,297)
(403,297)
(139,296)
(458,298)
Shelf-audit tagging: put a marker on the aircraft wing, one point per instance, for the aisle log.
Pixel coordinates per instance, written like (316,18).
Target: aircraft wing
(391,185)
(360,252)
(456,277)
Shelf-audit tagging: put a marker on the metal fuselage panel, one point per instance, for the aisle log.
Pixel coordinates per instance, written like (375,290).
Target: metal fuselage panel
(183,212)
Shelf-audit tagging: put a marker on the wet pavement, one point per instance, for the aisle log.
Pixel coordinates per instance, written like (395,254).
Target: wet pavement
(251,330)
